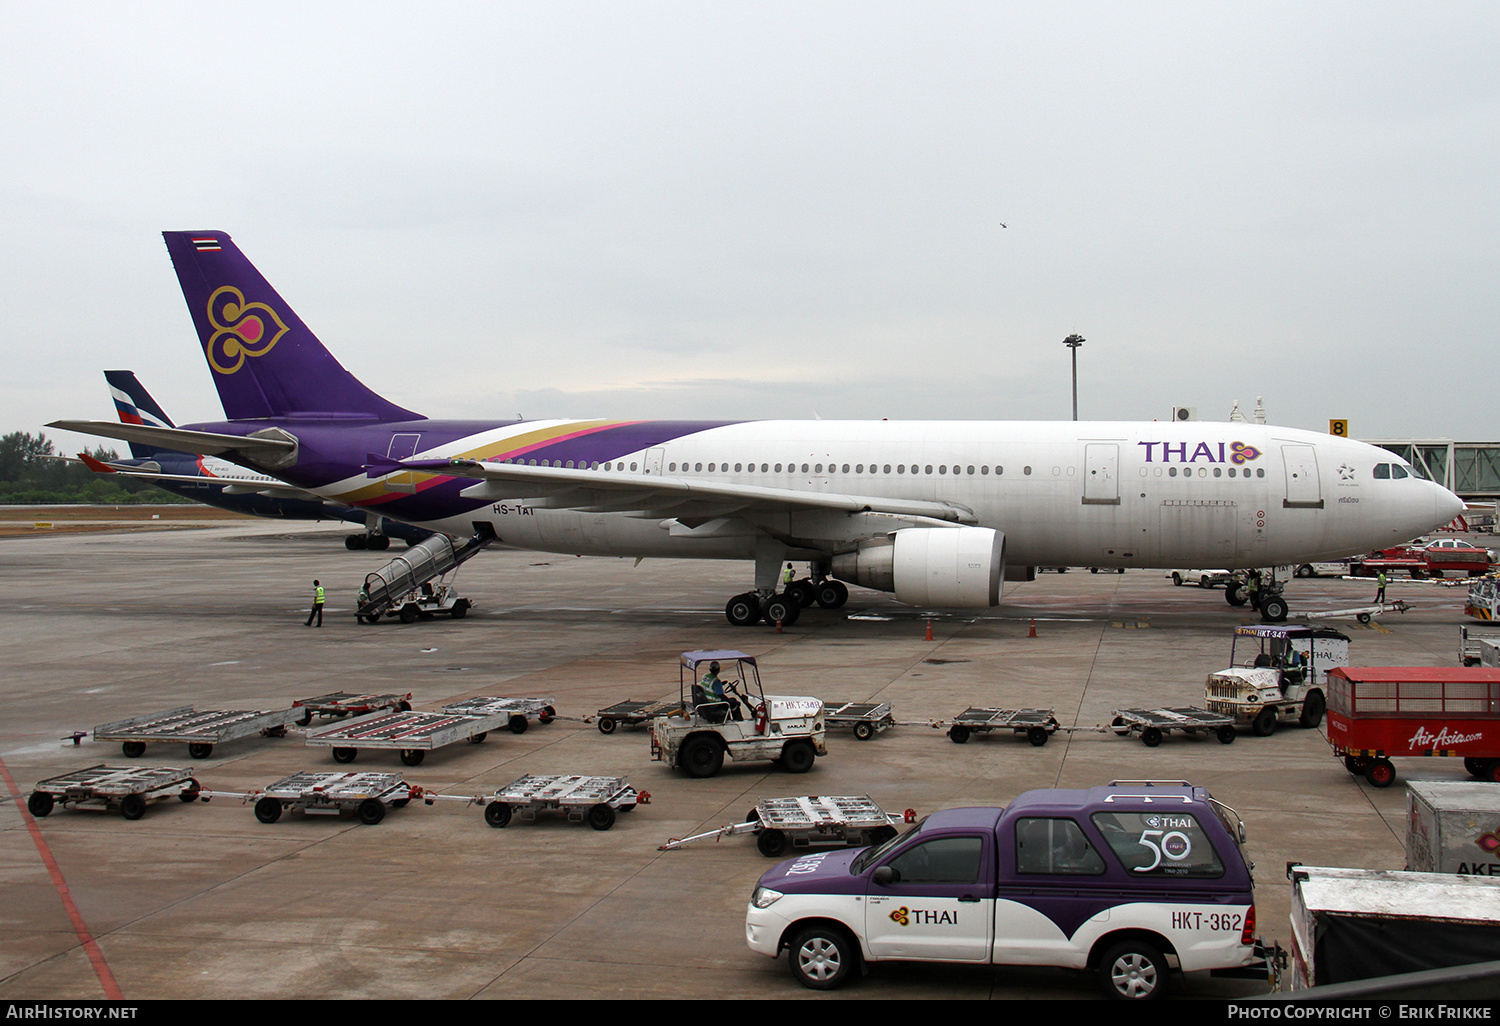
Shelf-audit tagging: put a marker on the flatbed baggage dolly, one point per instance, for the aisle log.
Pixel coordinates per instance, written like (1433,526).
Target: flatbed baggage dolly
(130,789)
(413,734)
(515,710)
(339,704)
(1154,724)
(1037,724)
(632,713)
(591,800)
(805,822)
(199,729)
(867,718)
(368,795)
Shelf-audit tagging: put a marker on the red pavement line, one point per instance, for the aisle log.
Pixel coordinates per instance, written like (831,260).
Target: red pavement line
(96,957)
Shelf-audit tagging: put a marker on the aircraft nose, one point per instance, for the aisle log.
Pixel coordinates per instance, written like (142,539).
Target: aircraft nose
(1446,505)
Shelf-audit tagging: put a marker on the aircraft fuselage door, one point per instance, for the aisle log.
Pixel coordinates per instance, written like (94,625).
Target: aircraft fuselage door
(403,447)
(1101,474)
(1303,488)
(653,461)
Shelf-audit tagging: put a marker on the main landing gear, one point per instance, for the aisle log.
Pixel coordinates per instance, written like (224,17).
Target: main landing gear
(784,608)
(374,542)
(1271,604)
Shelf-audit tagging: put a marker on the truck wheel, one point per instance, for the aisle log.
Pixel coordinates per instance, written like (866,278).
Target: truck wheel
(1176,579)
(700,757)
(1134,970)
(40,804)
(1381,773)
(958,733)
(770,843)
(1265,722)
(822,957)
(798,756)
(268,810)
(1312,710)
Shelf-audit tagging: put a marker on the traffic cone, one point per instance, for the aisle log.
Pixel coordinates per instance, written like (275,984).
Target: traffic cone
(1032,633)
(929,630)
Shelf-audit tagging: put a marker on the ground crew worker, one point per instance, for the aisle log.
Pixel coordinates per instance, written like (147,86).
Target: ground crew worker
(317,606)
(1380,588)
(788,577)
(1252,587)
(713,690)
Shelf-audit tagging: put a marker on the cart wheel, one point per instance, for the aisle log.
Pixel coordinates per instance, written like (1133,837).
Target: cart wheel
(1381,773)
(958,733)
(753,816)
(1151,737)
(607,725)
(409,757)
(864,731)
(371,811)
(517,724)
(132,806)
(548,715)
(1118,726)
(133,749)
(1362,617)
(1037,736)
(403,706)
(497,814)
(770,843)
(40,804)
(268,810)
(798,756)
(601,817)
(345,754)
(626,808)
(305,719)
(479,737)
(1265,722)
(1225,734)
(200,750)
(190,793)
(1356,764)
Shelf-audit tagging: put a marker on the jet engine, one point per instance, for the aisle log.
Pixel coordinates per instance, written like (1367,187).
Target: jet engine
(930,566)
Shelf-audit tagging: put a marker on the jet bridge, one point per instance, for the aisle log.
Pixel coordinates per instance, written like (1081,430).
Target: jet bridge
(405,585)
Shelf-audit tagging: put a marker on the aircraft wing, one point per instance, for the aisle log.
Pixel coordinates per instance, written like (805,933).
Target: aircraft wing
(259,448)
(688,500)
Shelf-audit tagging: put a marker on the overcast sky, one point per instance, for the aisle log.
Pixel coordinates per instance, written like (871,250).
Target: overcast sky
(764,209)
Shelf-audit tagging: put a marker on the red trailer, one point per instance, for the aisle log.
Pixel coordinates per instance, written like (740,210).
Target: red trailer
(1378,712)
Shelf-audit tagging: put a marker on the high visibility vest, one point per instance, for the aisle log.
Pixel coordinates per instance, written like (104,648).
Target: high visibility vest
(789,576)
(318,595)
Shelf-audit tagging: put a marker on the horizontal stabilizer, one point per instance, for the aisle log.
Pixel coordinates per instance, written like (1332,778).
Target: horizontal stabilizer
(204,443)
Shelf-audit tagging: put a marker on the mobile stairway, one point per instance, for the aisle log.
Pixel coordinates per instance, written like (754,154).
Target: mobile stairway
(411,586)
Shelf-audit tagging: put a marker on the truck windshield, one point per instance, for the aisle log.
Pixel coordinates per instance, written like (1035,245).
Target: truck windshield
(869,856)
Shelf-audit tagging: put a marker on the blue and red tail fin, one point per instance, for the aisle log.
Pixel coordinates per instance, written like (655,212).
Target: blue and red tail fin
(135,406)
(265,361)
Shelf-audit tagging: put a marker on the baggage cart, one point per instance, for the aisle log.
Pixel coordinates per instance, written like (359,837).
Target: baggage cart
(367,795)
(412,734)
(339,704)
(199,729)
(1453,826)
(1364,614)
(517,711)
(591,800)
(1037,724)
(632,713)
(130,789)
(1155,724)
(867,718)
(808,821)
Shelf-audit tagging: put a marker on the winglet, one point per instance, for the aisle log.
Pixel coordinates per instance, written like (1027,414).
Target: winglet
(96,465)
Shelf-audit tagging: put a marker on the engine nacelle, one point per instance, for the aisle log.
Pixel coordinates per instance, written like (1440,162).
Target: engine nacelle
(931,566)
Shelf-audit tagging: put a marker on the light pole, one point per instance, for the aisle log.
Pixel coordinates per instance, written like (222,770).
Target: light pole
(1073,342)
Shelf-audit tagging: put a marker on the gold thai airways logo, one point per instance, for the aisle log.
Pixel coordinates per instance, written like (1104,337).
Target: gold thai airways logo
(241,329)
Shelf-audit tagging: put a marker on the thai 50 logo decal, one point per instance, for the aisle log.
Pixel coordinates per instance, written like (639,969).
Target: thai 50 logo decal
(241,329)
(1237,453)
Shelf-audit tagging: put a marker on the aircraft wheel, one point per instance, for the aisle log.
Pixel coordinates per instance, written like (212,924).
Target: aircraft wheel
(377,542)
(354,542)
(1273,609)
(832,594)
(743,610)
(781,609)
(1234,594)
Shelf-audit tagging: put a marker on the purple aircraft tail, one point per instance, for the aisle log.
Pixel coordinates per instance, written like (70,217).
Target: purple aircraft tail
(265,361)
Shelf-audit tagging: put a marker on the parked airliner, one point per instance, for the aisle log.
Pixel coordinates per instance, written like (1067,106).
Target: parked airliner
(940,513)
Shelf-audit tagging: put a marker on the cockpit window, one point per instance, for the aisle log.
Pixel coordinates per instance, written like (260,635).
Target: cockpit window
(1382,472)
(1398,471)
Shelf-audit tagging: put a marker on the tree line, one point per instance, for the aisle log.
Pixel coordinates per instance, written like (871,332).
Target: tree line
(33,472)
